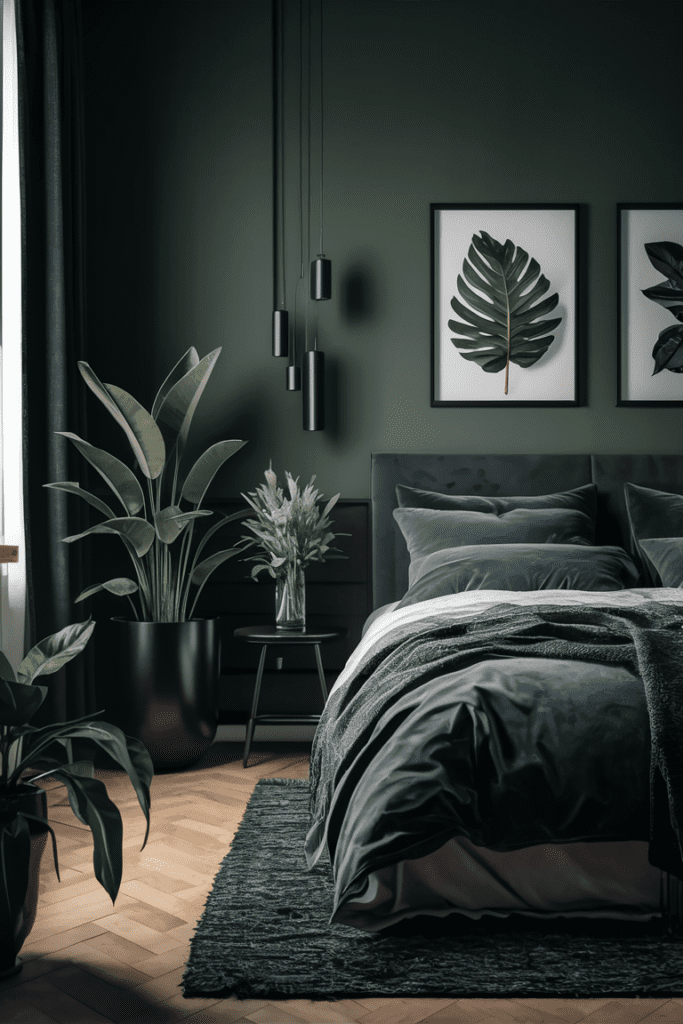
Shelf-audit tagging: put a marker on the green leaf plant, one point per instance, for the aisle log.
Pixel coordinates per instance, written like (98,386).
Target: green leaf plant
(155,506)
(290,530)
(667,258)
(27,748)
(502,323)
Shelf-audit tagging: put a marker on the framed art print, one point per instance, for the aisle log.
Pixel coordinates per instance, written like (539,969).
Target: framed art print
(650,304)
(504,304)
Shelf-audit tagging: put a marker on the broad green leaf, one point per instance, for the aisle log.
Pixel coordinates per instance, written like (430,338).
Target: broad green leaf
(119,586)
(142,432)
(19,702)
(668,350)
(45,824)
(55,651)
(127,751)
(74,488)
(42,737)
(15,853)
(92,805)
(149,446)
(199,478)
(202,571)
(6,670)
(667,294)
(499,315)
(667,258)
(138,531)
(216,527)
(118,476)
(177,409)
(183,366)
(170,522)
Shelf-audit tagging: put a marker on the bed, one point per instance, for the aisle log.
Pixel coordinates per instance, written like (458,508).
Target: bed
(504,740)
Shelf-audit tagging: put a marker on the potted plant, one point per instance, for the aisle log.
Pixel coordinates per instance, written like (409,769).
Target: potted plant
(23,804)
(292,531)
(167,663)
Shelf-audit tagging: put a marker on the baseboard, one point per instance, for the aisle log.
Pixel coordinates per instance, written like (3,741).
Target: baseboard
(266,733)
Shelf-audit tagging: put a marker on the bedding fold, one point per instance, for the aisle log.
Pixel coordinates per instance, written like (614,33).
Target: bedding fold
(523,725)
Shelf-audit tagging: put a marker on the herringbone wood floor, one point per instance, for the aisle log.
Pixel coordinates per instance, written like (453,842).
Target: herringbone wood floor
(87,961)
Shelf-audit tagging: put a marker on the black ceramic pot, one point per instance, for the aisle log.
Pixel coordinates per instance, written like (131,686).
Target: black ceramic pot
(163,683)
(13,933)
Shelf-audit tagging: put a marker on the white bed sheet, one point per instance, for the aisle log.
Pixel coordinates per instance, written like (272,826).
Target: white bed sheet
(470,603)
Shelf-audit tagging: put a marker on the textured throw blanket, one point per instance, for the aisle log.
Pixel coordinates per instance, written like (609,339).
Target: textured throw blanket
(647,640)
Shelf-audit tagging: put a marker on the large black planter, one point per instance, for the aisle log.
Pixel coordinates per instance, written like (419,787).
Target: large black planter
(163,686)
(30,799)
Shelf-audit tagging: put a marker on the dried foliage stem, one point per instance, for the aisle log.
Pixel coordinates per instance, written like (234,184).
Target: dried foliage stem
(291,531)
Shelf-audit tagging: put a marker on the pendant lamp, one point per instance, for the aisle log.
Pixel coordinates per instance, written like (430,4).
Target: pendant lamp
(314,390)
(280,316)
(320,281)
(321,267)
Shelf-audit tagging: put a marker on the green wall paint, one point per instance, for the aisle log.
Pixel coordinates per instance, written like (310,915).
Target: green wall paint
(425,101)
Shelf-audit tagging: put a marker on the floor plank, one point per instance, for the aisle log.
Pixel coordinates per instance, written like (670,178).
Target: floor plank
(86,962)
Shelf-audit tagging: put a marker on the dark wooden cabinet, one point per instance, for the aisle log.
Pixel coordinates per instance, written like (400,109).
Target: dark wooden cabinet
(338,593)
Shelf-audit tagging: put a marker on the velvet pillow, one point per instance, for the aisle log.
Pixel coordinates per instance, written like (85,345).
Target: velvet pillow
(652,515)
(520,567)
(666,555)
(582,499)
(428,530)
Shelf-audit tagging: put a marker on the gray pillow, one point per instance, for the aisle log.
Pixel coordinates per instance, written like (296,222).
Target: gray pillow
(520,567)
(652,515)
(665,554)
(583,499)
(429,530)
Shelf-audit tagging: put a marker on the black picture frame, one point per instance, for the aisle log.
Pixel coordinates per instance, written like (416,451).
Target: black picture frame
(640,320)
(549,233)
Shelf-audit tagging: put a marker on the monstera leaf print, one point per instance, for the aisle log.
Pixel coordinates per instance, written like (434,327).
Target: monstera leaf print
(502,284)
(667,258)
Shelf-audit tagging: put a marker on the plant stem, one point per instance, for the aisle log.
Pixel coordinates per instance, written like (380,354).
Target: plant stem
(4,754)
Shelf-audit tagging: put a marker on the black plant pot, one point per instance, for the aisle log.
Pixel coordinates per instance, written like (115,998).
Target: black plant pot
(163,683)
(30,799)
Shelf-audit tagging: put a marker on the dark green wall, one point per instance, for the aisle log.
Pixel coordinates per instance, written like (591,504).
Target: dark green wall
(425,101)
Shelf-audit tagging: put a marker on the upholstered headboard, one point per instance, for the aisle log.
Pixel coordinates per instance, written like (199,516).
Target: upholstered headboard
(505,475)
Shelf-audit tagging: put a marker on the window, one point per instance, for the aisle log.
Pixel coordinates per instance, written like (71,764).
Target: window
(13,575)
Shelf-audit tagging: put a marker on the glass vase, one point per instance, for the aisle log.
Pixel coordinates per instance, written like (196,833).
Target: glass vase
(290,599)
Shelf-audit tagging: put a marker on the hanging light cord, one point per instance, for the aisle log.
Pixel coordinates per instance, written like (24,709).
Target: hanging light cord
(308,166)
(321,128)
(281,77)
(301,186)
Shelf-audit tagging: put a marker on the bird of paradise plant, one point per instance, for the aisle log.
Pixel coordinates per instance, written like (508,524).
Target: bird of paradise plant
(160,502)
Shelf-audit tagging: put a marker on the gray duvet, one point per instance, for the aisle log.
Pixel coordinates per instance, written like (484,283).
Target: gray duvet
(513,726)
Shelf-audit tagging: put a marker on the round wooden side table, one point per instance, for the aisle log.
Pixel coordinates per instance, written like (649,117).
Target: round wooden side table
(271,636)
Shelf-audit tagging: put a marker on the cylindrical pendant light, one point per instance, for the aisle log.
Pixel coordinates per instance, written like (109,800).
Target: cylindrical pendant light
(321,278)
(280,332)
(314,390)
(293,377)
(280,316)
(321,267)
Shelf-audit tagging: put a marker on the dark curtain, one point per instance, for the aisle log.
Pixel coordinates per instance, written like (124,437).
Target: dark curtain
(51,153)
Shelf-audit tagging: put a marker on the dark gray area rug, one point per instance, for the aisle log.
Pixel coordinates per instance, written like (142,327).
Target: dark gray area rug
(264,932)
